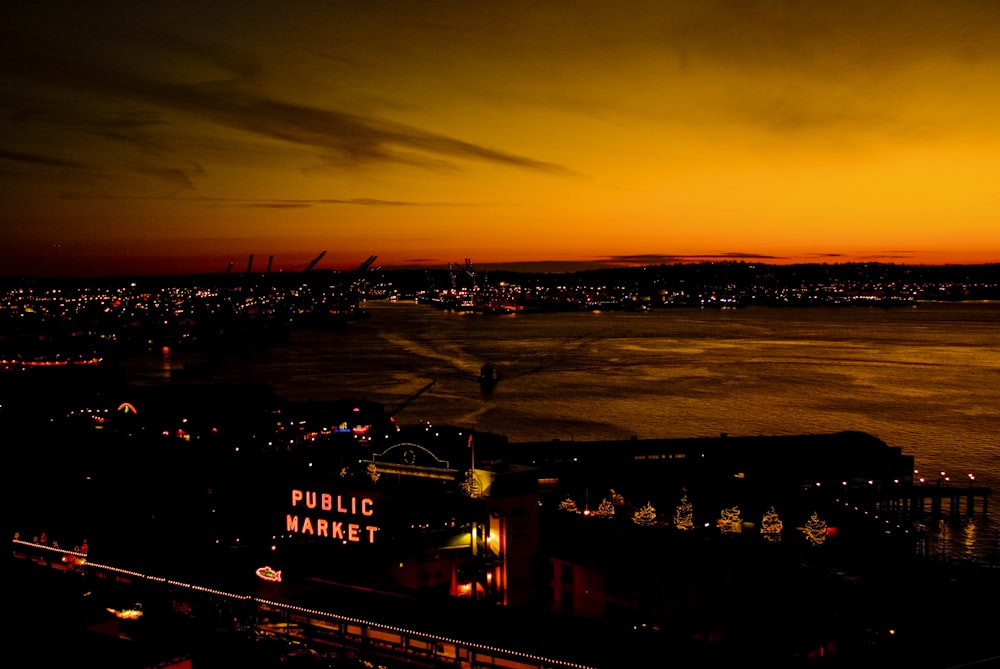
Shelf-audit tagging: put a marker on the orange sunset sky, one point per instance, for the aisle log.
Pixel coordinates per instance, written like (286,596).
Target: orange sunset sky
(177,137)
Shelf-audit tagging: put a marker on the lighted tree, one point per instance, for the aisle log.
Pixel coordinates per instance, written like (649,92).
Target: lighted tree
(605,509)
(373,472)
(683,516)
(615,498)
(731,521)
(815,530)
(645,516)
(470,486)
(568,505)
(770,526)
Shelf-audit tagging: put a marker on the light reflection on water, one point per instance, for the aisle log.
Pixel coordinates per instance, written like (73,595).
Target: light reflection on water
(969,539)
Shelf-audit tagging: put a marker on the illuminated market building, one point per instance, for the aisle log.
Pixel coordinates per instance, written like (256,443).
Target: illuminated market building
(417,516)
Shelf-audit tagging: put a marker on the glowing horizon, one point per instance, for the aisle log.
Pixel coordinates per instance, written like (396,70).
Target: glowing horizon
(185,137)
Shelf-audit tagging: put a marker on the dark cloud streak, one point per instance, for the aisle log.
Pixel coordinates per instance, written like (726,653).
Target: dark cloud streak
(361,202)
(357,139)
(178,178)
(657,259)
(38,159)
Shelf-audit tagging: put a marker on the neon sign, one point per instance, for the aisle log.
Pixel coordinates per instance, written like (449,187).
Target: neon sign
(268,574)
(357,430)
(336,527)
(126,614)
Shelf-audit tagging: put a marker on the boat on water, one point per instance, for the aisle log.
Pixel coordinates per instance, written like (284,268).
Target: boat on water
(489,376)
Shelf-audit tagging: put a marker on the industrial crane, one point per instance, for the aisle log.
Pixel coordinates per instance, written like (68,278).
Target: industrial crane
(468,270)
(314,261)
(356,278)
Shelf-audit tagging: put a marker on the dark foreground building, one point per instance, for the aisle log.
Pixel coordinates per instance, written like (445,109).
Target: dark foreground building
(783,549)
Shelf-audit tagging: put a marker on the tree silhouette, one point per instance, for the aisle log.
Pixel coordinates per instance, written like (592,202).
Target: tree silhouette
(731,521)
(470,485)
(605,509)
(568,505)
(645,516)
(815,530)
(770,526)
(683,516)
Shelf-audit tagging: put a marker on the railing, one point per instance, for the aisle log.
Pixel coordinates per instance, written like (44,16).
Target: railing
(325,626)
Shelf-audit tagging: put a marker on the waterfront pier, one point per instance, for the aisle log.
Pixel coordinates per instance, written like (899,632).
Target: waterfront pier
(921,501)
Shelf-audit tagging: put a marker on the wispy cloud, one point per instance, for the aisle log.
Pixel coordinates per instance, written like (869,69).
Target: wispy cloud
(40,159)
(179,178)
(360,202)
(343,136)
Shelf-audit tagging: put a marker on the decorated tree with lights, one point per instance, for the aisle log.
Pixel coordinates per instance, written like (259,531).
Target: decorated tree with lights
(373,472)
(645,516)
(815,530)
(569,505)
(615,498)
(684,515)
(731,521)
(770,526)
(470,485)
(605,509)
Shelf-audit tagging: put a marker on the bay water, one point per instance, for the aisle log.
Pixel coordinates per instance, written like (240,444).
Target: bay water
(925,378)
